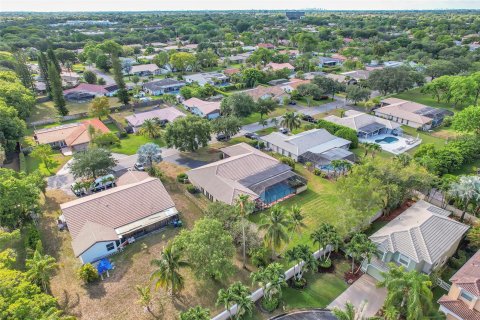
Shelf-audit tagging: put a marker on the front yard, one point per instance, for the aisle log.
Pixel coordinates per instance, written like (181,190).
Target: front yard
(34,164)
(255,117)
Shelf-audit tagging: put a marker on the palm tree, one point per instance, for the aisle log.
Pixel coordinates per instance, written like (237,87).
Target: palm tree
(227,299)
(168,266)
(466,189)
(169,98)
(291,121)
(298,254)
(274,122)
(368,147)
(403,158)
(263,122)
(40,268)
(151,129)
(408,292)
(271,279)
(237,294)
(145,297)
(195,313)
(276,226)
(244,207)
(350,313)
(359,247)
(326,235)
(375,147)
(296,223)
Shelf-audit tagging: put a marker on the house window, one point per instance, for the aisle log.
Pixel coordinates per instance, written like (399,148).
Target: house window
(467,296)
(110,246)
(403,260)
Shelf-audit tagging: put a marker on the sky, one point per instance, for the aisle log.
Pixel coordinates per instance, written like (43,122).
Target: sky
(159,5)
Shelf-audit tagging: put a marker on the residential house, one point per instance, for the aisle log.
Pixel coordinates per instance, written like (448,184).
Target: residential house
(463,299)
(357,75)
(249,48)
(266,46)
(291,53)
(163,116)
(337,77)
(317,146)
(231,71)
(201,108)
(329,62)
(313,74)
(69,137)
(213,78)
(392,64)
(239,58)
(293,84)
(86,91)
(474,46)
(276,93)
(422,238)
(366,125)
(247,171)
(159,87)
(411,114)
(103,223)
(69,79)
(143,70)
(294,15)
(279,66)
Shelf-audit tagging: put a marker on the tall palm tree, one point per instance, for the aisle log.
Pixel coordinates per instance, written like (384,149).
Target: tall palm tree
(271,279)
(275,225)
(296,223)
(300,253)
(40,268)
(374,148)
(408,292)
(326,235)
(244,207)
(168,266)
(274,122)
(291,121)
(151,129)
(466,190)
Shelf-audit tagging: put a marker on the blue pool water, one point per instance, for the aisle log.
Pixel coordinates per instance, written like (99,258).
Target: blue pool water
(275,192)
(387,140)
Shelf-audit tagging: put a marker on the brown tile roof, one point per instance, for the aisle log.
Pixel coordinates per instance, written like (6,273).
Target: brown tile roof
(468,277)
(459,308)
(231,71)
(404,109)
(131,176)
(279,66)
(261,91)
(95,216)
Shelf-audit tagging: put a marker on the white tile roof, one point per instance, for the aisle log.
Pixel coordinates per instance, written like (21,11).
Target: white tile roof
(356,120)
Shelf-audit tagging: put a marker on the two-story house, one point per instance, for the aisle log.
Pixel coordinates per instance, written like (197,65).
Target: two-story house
(463,300)
(422,238)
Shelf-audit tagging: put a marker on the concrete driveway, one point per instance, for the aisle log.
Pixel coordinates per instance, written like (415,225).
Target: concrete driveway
(362,290)
(62,180)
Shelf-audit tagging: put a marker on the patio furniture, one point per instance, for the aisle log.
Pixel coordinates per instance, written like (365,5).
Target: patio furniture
(103,266)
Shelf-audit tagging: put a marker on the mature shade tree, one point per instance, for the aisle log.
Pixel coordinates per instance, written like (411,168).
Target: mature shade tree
(19,196)
(89,77)
(40,268)
(182,61)
(291,121)
(92,163)
(238,104)
(99,107)
(195,313)
(122,92)
(265,106)
(188,133)
(102,62)
(208,248)
(57,90)
(12,128)
(149,153)
(244,207)
(106,140)
(161,59)
(65,57)
(356,94)
(275,225)
(408,292)
(440,68)
(44,153)
(306,41)
(229,125)
(151,129)
(15,94)
(309,91)
(261,56)
(467,120)
(207,58)
(394,80)
(329,86)
(252,76)
(167,274)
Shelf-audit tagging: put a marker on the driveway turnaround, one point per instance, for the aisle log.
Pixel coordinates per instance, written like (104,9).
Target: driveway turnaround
(362,290)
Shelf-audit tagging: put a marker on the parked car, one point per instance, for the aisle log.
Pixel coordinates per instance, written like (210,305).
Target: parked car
(222,137)
(78,190)
(283,130)
(251,135)
(103,183)
(293,103)
(308,118)
(139,166)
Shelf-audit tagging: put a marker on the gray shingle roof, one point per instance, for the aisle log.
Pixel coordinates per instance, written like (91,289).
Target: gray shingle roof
(420,234)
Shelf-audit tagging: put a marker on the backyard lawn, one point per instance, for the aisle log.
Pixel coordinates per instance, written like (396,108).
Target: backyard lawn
(132,142)
(425,136)
(33,164)
(416,96)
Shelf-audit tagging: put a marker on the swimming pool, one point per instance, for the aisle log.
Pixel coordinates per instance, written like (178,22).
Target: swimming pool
(276,192)
(387,140)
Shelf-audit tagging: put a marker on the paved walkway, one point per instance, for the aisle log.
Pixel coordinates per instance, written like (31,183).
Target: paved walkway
(364,289)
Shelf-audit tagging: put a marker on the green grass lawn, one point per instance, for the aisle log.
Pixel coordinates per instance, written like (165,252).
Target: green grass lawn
(34,164)
(416,96)
(266,131)
(314,103)
(425,136)
(255,117)
(132,142)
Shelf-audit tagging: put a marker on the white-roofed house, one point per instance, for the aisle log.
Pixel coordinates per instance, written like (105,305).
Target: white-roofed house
(163,115)
(201,108)
(143,70)
(317,146)
(422,238)
(101,224)
(213,78)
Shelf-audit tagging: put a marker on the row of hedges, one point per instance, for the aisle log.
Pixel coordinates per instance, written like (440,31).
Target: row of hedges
(23,162)
(339,131)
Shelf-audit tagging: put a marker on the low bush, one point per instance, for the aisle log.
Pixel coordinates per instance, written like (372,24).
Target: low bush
(455,262)
(325,263)
(192,189)
(288,161)
(88,273)
(259,256)
(23,163)
(31,236)
(182,177)
(270,305)
(348,134)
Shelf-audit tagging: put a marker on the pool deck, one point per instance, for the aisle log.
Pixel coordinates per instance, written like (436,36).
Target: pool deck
(398,147)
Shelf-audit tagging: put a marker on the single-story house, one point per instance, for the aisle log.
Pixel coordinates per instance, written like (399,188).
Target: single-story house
(411,114)
(213,78)
(422,238)
(246,170)
(357,75)
(204,109)
(231,71)
(328,62)
(291,53)
(163,115)
(336,77)
(276,93)
(392,64)
(101,224)
(317,146)
(266,46)
(463,299)
(279,66)
(87,91)
(163,86)
(143,70)
(366,125)
(72,137)
(239,58)
(293,84)
(313,74)
(70,79)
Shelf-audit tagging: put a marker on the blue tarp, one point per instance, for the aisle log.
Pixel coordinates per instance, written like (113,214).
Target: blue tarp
(104,265)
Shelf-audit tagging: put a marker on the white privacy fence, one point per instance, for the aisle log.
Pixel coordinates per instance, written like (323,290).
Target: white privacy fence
(256,295)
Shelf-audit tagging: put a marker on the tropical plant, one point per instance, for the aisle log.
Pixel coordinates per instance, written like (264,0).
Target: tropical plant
(276,226)
(466,190)
(326,235)
(244,207)
(151,128)
(296,223)
(88,273)
(144,297)
(40,268)
(360,247)
(274,122)
(291,121)
(408,292)
(168,266)
(271,279)
(149,153)
(296,255)
(350,312)
(195,313)
(237,294)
